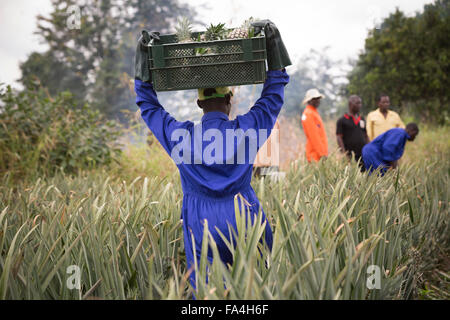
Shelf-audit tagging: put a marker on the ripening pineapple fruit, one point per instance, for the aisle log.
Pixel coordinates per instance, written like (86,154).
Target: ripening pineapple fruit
(238,33)
(184,30)
(244,31)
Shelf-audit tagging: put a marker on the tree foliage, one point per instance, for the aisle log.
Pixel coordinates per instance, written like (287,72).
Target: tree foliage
(41,134)
(408,59)
(53,73)
(95,61)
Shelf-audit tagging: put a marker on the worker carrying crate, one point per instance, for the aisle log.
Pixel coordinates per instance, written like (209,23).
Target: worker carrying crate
(212,178)
(178,62)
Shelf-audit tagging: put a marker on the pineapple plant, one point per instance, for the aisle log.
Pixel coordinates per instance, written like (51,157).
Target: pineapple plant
(184,30)
(215,32)
(184,35)
(212,33)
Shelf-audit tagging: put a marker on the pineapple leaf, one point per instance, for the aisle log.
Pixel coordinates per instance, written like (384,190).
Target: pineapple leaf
(183,30)
(215,32)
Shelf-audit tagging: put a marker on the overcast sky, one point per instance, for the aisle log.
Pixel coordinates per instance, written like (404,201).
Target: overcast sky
(341,25)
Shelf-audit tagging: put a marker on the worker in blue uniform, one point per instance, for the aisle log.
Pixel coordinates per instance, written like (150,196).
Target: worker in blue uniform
(211,177)
(386,149)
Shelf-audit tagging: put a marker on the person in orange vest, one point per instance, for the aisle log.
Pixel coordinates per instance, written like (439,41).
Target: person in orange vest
(316,138)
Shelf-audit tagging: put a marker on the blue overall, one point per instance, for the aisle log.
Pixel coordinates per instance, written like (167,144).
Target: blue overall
(209,186)
(385,148)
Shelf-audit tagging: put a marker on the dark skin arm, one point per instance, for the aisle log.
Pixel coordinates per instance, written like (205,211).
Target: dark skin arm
(394,164)
(340,142)
(366,137)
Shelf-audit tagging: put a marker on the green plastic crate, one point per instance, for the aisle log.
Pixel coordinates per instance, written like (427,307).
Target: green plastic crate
(180,66)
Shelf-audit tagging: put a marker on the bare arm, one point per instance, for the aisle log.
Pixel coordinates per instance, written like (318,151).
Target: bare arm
(394,164)
(370,130)
(340,142)
(340,135)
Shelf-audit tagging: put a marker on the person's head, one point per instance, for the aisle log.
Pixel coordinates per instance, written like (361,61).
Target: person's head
(354,104)
(313,97)
(383,102)
(314,102)
(413,130)
(215,99)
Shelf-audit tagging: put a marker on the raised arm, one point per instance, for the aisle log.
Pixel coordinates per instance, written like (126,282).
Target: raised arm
(266,109)
(158,120)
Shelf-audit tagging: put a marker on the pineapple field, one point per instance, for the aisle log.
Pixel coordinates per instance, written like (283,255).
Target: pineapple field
(91,203)
(118,229)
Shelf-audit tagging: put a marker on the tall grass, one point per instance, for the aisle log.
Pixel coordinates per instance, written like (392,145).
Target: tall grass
(330,223)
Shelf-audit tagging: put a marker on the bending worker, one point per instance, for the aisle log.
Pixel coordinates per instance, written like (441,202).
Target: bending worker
(211,183)
(384,152)
(316,138)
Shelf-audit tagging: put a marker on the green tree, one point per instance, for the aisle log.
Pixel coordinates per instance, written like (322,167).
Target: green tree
(41,134)
(53,73)
(95,61)
(113,89)
(408,59)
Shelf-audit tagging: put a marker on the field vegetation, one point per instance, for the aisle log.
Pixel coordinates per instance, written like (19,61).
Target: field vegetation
(119,222)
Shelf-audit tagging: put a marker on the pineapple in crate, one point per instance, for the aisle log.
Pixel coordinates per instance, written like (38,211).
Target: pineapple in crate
(245,31)
(184,30)
(183,35)
(212,33)
(215,32)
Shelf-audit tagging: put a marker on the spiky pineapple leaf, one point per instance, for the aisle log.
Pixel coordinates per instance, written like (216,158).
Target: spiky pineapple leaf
(183,30)
(216,32)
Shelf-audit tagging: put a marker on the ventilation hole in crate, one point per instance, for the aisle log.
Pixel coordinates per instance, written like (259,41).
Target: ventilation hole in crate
(202,59)
(211,76)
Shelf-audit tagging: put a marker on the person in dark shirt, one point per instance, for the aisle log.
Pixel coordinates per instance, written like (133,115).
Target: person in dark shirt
(351,130)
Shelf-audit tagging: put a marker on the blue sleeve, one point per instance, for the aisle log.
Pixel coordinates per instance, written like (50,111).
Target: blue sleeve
(266,109)
(394,145)
(158,120)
